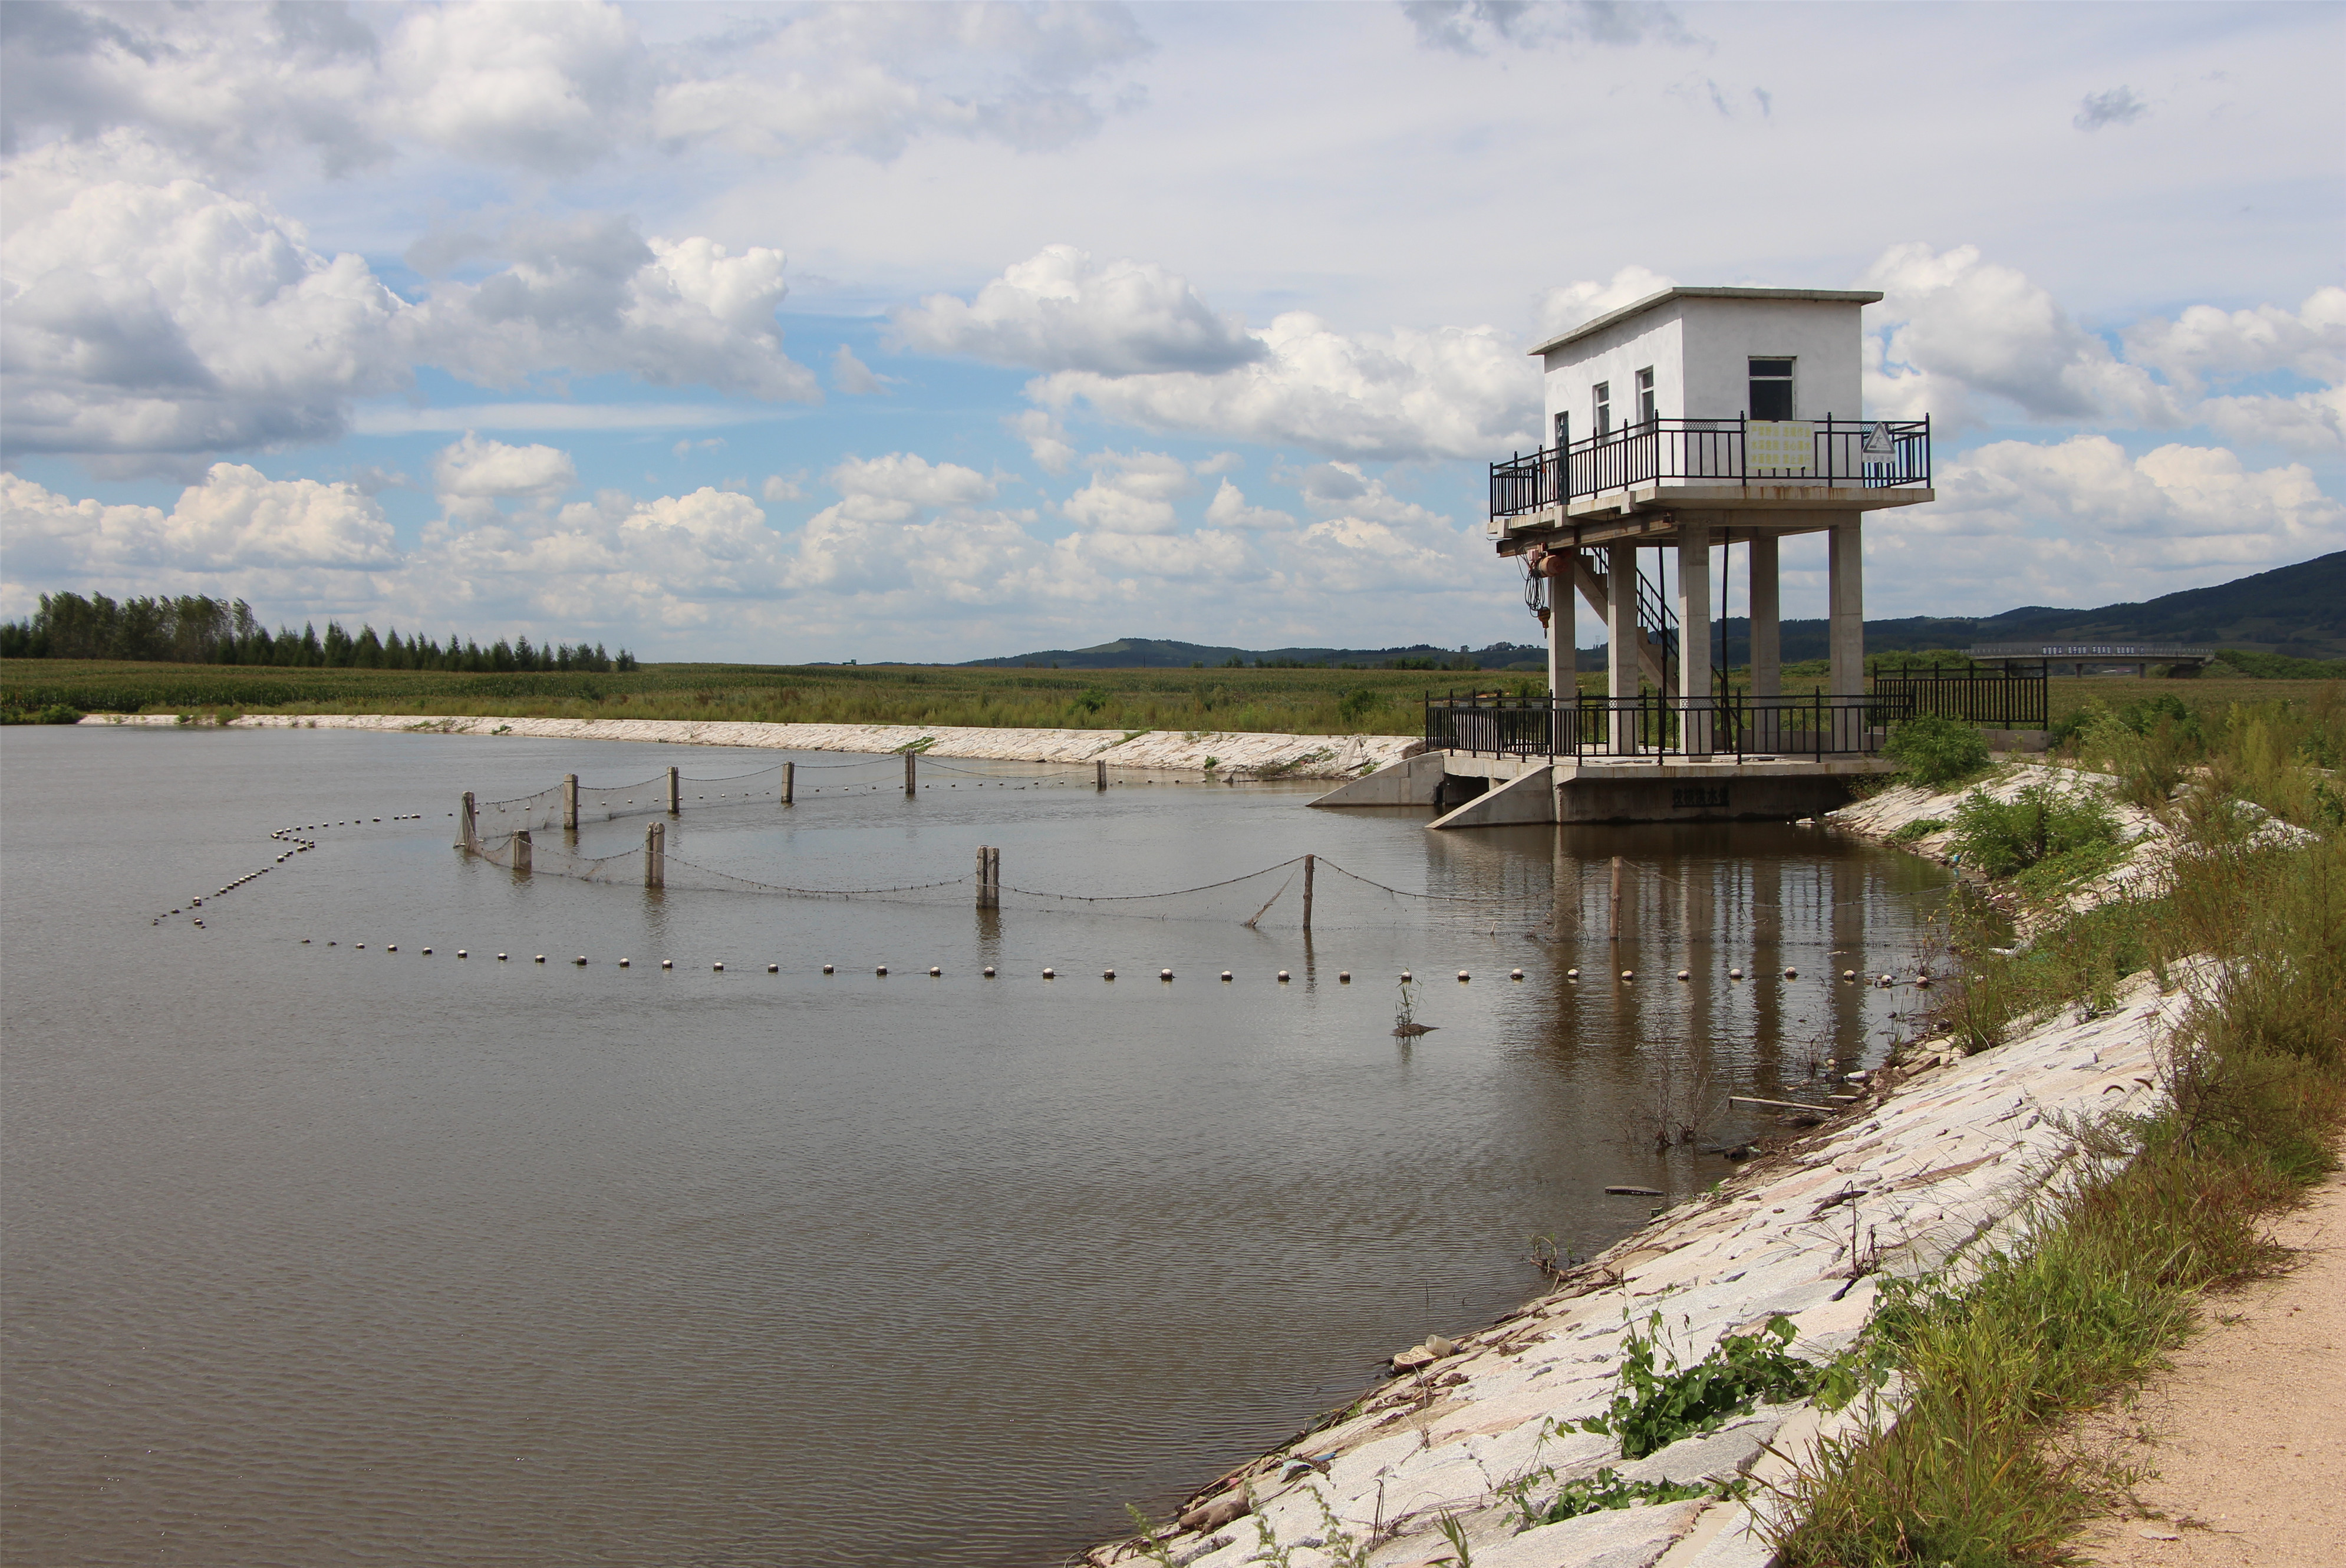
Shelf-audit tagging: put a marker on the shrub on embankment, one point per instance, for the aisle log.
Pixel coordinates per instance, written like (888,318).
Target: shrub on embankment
(1975,1469)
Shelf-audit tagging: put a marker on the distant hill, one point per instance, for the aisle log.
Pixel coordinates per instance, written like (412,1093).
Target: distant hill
(1153,653)
(2299,612)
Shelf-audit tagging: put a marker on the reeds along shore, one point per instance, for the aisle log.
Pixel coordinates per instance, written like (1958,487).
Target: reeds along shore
(1285,701)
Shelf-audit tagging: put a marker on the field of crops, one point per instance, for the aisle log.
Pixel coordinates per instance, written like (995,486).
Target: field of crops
(1289,701)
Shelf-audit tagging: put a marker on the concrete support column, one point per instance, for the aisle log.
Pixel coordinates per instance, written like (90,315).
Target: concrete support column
(1766,619)
(1847,591)
(1694,635)
(1563,613)
(1621,639)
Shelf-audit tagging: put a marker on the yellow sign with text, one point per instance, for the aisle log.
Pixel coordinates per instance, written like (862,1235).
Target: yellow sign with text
(1779,446)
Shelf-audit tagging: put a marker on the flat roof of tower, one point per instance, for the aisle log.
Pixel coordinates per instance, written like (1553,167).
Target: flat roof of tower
(1820,296)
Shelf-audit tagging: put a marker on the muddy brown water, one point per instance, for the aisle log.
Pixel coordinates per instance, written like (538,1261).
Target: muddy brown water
(319,1255)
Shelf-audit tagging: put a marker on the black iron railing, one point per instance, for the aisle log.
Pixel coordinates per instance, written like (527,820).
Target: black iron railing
(1998,701)
(1830,451)
(1657,725)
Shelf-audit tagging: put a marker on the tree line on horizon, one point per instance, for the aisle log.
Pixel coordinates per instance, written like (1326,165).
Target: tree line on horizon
(196,629)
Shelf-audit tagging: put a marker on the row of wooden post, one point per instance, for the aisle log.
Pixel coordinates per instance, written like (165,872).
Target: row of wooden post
(989,858)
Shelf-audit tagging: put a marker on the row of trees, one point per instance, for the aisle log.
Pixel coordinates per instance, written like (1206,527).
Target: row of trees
(194,629)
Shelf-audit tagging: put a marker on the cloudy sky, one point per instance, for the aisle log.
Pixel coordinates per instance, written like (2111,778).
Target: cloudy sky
(785,333)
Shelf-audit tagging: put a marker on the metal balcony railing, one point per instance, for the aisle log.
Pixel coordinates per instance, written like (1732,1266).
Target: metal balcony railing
(1739,451)
(1659,727)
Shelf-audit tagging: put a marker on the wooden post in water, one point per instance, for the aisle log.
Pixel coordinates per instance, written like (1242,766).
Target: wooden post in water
(989,877)
(675,793)
(1615,932)
(656,855)
(570,803)
(909,785)
(1309,862)
(468,828)
(790,781)
(521,852)
(1099,774)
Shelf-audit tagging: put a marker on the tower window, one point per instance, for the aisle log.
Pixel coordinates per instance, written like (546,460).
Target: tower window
(1771,389)
(1562,430)
(1601,397)
(1646,409)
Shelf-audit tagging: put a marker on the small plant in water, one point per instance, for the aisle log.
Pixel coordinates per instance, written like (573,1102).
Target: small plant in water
(1405,1024)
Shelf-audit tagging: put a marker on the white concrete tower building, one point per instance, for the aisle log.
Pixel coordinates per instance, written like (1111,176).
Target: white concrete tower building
(1689,420)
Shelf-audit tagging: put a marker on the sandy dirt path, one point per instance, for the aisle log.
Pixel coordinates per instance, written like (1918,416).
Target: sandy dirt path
(2248,1432)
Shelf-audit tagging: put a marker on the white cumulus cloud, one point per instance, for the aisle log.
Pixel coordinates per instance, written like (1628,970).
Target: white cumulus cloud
(1971,336)
(1230,509)
(234,529)
(1063,310)
(1449,392)
(150,315)
(473,468)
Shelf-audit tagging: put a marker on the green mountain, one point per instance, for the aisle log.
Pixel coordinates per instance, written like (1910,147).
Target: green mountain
(2296,612)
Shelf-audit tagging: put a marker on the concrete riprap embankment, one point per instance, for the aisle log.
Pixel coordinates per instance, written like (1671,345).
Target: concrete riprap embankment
(1224,752)
(1939,1163)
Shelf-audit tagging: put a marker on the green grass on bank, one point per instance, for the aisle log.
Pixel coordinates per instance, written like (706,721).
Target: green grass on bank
(1289,701)
(1979,1469)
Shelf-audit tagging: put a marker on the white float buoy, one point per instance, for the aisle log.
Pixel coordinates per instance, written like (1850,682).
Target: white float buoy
(717,969)
(773,968)
(826,969)
(1572,975)
(668,963)
(934,971)
(1514,974)
(1628,974)
(881,971)
(501,957)
(392,948)
(623,963)
(1406,977)
(541,958)
(1848,974)
(427,953)
(1791,973)
(1226,974)
(1686,974)
(1164,974)
(1734,974)
(1343,977)
(1107,974)
(1050,975)
(1282,977)
(989,972)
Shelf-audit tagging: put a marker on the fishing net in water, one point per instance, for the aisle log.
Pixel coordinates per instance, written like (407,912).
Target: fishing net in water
(1271,898)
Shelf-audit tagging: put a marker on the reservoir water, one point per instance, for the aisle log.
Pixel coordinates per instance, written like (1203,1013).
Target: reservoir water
(319,1254)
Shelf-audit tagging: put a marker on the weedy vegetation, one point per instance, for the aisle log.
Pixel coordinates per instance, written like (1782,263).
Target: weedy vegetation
(1974,1467)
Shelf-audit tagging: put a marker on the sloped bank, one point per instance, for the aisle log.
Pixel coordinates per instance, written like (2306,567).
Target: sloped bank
(1481,1451)
(1226,753)
(1944,1155)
